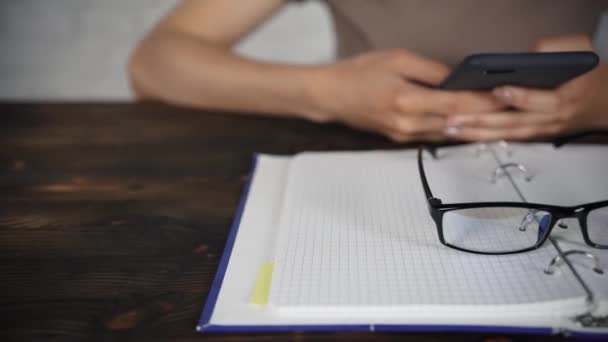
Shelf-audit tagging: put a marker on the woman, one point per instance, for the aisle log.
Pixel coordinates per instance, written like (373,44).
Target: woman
(385,48)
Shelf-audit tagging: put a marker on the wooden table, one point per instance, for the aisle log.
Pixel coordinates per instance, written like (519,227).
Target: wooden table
(113,217)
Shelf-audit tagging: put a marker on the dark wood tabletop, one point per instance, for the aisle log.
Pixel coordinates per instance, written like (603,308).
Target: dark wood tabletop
(113,217)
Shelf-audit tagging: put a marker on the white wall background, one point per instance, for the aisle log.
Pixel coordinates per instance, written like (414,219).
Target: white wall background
(77,49)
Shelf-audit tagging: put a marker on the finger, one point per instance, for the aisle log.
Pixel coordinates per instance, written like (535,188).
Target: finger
(418,125)
(580,87)
(536,100)
(572,42)
(419,100)
(412,66)
(576,88)
(503,120)
(517,133)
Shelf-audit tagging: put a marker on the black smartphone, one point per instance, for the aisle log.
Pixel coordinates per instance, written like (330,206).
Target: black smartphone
(534,70)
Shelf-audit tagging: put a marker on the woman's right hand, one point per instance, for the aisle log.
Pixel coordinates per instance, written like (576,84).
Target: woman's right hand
(378,92)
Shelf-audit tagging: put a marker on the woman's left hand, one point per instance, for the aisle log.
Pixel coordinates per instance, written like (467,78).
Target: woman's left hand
(578,105)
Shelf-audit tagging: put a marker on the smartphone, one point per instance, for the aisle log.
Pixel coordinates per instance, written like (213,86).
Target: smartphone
(533,70)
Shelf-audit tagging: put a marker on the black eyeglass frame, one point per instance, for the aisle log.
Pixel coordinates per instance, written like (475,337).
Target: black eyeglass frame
(437,208)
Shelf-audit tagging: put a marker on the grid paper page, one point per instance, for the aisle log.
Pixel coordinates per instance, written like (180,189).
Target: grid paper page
(584,167)
(571,239)
(570,175)
(355,231)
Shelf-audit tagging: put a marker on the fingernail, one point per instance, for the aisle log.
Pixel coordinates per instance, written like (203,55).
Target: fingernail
(454,126)
(504,94)
(453,131)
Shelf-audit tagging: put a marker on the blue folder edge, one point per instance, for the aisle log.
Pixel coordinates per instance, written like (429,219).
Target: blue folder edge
(205,327)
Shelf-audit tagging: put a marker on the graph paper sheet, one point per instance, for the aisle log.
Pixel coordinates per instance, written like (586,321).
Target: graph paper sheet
(585,168)
(355,231)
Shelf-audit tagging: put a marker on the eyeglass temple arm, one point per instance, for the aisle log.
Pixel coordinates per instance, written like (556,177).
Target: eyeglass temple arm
(561,141)
(425,183)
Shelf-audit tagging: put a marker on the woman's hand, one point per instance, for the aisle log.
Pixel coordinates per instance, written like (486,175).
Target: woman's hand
(578,105)
(381,92)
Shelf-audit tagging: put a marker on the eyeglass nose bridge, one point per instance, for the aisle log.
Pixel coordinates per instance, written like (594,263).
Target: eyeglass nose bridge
(555,219)
(577,213)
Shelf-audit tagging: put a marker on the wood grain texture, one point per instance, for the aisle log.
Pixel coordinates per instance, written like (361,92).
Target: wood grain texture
(113,217)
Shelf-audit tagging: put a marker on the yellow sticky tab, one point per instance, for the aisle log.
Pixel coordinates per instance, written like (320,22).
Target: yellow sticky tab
(262,285)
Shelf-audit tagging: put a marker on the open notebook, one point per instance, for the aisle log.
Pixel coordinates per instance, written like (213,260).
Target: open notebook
(344,241)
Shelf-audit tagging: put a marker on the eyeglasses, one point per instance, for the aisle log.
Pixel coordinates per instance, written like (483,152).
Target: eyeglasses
(510,227)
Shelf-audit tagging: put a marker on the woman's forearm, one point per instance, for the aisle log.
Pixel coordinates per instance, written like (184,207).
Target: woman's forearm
(176,68)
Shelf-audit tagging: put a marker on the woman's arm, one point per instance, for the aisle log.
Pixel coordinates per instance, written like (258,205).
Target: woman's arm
(187,60)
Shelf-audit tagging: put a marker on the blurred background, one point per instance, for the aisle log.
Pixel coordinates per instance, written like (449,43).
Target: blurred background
(76,50)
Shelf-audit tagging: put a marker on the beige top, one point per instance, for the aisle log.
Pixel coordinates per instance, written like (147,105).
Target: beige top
(448,30)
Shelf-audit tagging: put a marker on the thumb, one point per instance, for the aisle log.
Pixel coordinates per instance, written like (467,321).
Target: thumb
(418,68)
(572,42)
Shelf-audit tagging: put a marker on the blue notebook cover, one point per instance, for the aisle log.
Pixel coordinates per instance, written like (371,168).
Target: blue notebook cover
(204,325)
